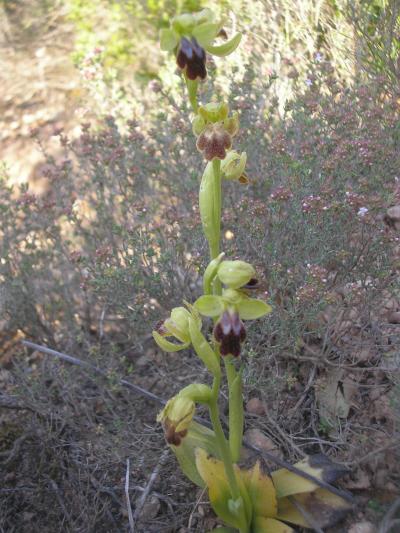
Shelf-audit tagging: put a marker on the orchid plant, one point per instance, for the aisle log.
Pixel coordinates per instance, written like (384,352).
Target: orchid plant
(246,500)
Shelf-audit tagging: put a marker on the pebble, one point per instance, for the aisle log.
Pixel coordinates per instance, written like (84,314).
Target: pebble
(255,407)
(362,527)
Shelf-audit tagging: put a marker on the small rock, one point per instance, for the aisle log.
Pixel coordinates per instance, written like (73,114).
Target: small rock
(392,217)
(255,407)
(394,317)
(256,438)
(142,361)
(362,527)
(150,509)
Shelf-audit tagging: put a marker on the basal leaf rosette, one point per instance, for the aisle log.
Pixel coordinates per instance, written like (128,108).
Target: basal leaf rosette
(272,502)
(233,306)
(190,36)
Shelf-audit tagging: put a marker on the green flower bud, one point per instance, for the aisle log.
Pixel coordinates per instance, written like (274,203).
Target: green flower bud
(176,326)
(232,167)
(176,418)
(235,274)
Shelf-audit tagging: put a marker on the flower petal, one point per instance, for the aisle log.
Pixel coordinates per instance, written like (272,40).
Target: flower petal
(225,49)
(168,39)
(205,33)
(251,309)
(168,346)
(210,305)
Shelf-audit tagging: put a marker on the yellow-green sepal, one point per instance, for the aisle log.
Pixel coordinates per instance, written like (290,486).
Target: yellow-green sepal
(251,308)
(226,48)
(205,33)
(236,417)
(214,112)
(234,513)
(198,125)
(168,39)
(210,305)
(198,437)
(204,350)
(168,346)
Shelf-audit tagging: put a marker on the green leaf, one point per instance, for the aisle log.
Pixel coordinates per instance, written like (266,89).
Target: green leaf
(287,483)
(223,530)
(270,525)
(324,507)
(198,436)
(213,473)
(225,49)
(205,33)
(250,308)
(210,305)
(168,346)
(236,417)
(203,349)
(168,39)
(261,491)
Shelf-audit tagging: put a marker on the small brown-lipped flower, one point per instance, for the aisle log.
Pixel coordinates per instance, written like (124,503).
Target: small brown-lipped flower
(176,418)
(230,332)
(214,141)
(191,58)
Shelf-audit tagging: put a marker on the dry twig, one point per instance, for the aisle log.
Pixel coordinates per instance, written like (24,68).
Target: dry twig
(128,500)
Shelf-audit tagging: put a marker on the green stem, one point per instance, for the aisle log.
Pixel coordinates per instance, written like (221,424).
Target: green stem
(221,440)
(192,91)
(230,371)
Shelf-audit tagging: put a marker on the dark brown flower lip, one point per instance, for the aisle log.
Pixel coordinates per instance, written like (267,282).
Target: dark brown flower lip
(160,328)
(252,284)
(191,57)
(213,142)
(172,436)
(230,332)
